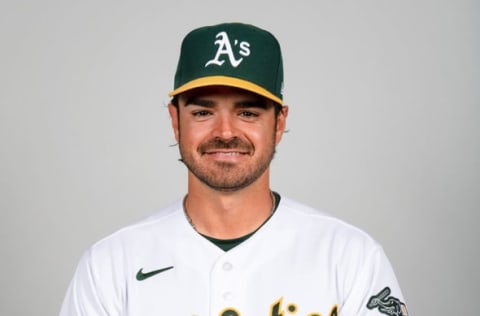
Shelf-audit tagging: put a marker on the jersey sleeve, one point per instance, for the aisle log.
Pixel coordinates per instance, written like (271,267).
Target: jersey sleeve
(374,290)
(93,290)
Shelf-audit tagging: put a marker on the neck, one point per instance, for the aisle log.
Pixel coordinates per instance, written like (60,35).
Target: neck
(228,215)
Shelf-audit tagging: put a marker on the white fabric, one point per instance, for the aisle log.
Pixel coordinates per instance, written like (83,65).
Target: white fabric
(301,262)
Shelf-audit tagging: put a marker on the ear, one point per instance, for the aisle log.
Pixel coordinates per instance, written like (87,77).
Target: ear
(281,124)
(173,111)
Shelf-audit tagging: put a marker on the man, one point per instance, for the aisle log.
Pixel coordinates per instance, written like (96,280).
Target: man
(232,246)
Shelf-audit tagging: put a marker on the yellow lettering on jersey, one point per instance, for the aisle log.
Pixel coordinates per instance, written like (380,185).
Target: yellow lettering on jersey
(276,308)
(334,311)
(292,308)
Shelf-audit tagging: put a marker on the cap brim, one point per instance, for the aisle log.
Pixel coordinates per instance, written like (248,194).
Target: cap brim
(225,81)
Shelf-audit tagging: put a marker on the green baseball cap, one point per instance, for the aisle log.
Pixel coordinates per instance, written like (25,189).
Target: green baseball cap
(231,54)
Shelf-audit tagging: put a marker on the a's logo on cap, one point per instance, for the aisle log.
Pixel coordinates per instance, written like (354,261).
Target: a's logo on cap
(225,48)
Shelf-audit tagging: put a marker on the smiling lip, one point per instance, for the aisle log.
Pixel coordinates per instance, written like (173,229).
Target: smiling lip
(218,147)
(225,153)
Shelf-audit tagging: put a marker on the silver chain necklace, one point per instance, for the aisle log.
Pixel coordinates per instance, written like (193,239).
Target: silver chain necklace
(189,219)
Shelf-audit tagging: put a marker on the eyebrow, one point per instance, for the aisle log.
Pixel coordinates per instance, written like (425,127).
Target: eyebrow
(199,101)
(254,103)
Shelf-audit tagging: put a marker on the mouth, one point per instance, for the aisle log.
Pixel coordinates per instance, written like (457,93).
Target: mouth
(225,153)
(220,148)
(226,156)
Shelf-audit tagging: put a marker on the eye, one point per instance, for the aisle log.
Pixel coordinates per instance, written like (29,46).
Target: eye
(248,114)
(201,113)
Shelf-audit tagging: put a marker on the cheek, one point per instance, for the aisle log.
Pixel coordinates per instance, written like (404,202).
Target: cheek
(262,137)
(191,135)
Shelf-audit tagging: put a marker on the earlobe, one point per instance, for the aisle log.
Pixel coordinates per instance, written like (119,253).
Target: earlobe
(173,111)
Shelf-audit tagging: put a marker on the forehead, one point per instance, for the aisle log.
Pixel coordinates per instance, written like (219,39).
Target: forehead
(221,91)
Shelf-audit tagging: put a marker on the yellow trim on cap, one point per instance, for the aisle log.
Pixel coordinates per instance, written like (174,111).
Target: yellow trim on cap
(226,81)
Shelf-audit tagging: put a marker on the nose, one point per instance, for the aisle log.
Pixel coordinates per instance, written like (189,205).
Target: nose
(224,126)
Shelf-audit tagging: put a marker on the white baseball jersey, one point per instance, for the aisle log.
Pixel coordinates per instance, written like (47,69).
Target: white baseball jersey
(301,262)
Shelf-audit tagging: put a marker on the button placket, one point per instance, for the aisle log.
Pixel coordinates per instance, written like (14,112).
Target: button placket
(224,281)
(227,267)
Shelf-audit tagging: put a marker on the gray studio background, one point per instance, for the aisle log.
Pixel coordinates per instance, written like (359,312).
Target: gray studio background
(383,131)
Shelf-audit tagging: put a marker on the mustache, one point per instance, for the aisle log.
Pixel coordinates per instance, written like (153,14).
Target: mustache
(218,143)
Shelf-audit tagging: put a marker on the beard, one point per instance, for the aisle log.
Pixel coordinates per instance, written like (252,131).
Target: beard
(227,176)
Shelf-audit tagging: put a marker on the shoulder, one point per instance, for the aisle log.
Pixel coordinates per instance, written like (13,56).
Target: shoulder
(162,223)
(302,212)
(318,225)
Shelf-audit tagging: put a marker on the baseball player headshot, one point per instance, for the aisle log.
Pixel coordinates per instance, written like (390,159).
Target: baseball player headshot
(233,245)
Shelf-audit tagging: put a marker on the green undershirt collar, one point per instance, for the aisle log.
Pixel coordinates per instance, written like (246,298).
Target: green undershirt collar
(227,244)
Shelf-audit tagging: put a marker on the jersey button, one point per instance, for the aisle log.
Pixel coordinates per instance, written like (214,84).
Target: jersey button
(227,296)
(227,266)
